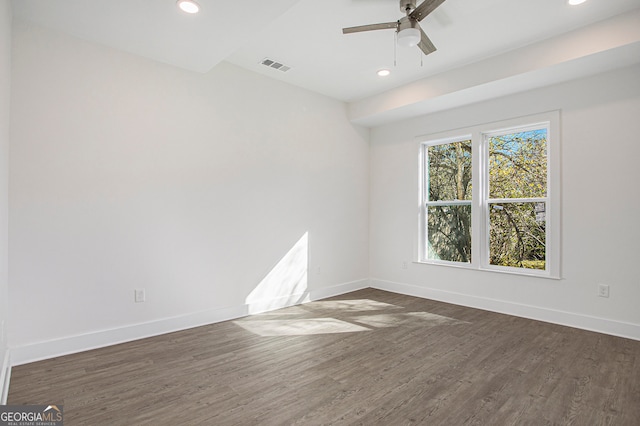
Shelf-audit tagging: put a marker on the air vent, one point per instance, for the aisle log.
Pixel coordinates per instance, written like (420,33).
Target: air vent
(275,65)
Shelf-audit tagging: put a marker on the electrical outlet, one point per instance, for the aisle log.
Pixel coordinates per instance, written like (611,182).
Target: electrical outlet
(405,264)
(603,290)
(139,295)
(318,270)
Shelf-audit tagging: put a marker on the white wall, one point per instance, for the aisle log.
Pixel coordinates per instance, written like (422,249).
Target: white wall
(600,208)
(126,173)
(5,86)
(204,189)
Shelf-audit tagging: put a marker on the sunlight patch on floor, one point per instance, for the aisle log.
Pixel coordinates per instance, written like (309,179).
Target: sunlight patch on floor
(299,327)
(285,312)
(421,319)
(354,305)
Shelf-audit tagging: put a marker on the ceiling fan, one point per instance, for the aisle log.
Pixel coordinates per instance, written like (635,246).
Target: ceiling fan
(408,28)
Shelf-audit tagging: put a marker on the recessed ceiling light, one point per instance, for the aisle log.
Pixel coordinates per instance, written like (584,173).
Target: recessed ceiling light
(383,73)
(188,6)
(576,2)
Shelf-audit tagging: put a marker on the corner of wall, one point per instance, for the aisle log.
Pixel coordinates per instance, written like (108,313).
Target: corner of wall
(6,19)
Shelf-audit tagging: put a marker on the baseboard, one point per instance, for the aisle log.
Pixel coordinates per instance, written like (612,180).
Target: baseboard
(5,376)
(80,343)
(585,322)
(323,293)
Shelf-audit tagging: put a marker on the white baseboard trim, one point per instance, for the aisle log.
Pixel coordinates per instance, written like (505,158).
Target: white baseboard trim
(323,293)
(5,377)
(584,322)
(80,343)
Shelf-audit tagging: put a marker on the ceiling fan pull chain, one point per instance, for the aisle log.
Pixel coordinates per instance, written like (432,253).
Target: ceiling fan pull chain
(395,49)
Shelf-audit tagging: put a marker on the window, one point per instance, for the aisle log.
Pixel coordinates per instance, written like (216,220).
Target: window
(517,174)
(490,197)
(448,202)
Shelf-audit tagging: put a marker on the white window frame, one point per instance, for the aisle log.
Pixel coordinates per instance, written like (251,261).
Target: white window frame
(425,202)
(479,136)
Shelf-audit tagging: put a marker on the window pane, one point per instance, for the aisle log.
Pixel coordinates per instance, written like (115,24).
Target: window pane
(518,165)
(449,233)
(450,171)
(517,235)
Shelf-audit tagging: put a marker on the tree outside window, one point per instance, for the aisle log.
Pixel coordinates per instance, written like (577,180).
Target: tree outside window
(449,201)
(517,199)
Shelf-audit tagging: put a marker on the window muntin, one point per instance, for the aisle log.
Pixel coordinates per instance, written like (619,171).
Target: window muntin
(508,216)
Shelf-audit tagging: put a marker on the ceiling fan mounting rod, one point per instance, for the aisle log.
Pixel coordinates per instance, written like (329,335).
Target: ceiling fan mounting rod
(407,6)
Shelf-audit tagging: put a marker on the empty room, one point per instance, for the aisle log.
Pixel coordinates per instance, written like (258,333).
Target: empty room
(345,212)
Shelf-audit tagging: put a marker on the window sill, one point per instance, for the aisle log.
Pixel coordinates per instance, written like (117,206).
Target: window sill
(498,271)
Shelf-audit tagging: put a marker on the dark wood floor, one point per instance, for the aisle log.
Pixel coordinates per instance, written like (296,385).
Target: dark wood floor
(367,358)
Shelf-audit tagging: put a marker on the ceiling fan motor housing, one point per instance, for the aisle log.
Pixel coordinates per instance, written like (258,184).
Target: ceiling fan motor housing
(407,6)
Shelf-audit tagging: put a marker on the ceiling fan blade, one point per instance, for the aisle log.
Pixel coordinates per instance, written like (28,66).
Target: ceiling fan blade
(370,27)
(425,8)
(425,44)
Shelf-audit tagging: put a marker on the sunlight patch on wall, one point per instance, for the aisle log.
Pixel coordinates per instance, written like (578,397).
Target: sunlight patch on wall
(299,327)
(286,283)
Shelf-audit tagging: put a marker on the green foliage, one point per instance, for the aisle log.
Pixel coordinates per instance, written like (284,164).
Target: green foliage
(516,235)
(449,227)
(518,169)
(534,264)
(449,231)
(450,171)
(518,165)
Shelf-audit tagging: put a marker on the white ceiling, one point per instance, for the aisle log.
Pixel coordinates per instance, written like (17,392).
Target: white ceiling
(308,38)
(306,35)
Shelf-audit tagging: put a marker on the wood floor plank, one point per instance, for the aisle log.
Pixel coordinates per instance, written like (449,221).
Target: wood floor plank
(364,358)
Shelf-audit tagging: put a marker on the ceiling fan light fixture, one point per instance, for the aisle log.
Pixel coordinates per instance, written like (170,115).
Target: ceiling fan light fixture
(409,37)
(188,6)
